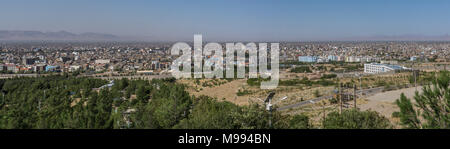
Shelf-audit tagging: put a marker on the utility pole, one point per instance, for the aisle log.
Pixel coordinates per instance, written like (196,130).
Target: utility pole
(268,103)
(360,82)
(360,85)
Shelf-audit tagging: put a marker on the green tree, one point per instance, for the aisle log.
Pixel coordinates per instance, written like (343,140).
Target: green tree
(142,94)
(431,108)
(299,122)
(207,113)
(355,119)
(169,104)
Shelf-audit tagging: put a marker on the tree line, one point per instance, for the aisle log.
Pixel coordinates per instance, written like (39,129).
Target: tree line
(68,102)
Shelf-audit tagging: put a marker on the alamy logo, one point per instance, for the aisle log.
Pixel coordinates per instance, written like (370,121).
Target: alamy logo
(208,61)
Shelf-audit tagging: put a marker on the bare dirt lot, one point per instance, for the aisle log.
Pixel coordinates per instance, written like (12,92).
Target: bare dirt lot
(384,103)
(226,91)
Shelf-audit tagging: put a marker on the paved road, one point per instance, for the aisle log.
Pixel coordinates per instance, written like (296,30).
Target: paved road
(6,76)
(145,77)
(302,103)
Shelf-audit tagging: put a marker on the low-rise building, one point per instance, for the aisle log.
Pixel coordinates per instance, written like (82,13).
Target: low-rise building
(307,59)
(51,68)
(374,68)
(102,61)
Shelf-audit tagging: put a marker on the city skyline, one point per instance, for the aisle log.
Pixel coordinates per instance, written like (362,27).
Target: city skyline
(234,20)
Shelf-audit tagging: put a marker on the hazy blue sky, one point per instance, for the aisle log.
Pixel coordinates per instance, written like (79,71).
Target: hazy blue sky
(230,19)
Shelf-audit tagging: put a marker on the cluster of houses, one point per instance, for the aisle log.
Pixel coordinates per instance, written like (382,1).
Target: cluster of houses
(335,58)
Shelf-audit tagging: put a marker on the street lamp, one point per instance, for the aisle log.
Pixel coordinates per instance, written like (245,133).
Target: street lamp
(269,105)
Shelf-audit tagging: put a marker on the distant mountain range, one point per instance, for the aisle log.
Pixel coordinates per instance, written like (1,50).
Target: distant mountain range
(406,37)
(64,35)
(61,35)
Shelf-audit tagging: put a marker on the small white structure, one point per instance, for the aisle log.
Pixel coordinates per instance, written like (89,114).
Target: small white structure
(102,61)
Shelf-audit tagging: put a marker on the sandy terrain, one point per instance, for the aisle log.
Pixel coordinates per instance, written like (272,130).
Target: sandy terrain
(226,91)
(384,103)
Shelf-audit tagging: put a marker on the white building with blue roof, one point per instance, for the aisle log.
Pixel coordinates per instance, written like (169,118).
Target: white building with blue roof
(374,68)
